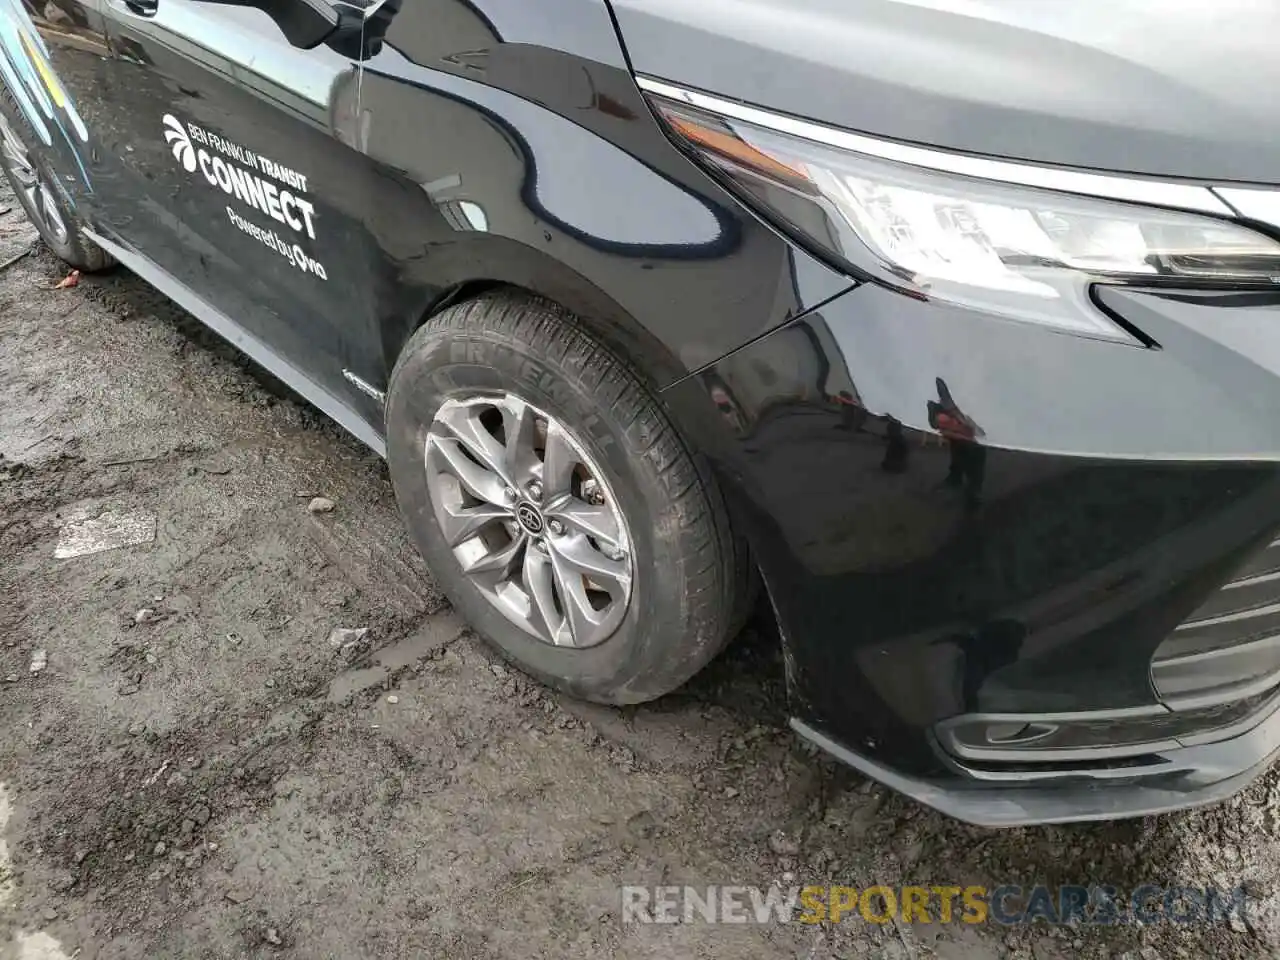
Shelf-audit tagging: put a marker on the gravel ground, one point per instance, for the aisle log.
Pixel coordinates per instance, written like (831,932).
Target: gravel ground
(203,767)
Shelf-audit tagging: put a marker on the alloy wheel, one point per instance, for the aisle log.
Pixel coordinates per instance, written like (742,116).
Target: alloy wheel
(41,203)
(530,518)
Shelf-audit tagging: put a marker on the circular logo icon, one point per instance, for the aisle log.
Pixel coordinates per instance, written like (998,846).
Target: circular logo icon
(530,518)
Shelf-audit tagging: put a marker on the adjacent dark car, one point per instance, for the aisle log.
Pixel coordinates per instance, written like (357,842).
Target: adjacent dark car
(956,326)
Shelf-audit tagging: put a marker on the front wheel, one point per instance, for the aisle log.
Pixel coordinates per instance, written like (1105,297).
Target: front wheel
(35,185)
(556,504)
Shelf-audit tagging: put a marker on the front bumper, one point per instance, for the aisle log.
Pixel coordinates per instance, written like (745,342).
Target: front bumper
(964,521)
(1190,777)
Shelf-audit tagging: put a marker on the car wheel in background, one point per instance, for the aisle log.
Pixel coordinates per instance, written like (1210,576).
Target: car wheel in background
(35,185)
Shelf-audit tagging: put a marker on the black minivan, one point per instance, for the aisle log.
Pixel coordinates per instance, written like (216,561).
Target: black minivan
(951,328)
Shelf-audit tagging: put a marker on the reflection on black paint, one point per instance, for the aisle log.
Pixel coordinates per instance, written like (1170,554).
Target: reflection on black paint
(984,650)
(895,447)
(968,467)
(723,240)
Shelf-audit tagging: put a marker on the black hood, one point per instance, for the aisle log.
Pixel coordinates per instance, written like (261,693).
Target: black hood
(1181,88)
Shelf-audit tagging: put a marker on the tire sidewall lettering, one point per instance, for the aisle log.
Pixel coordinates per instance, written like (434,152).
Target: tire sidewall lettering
(457,375)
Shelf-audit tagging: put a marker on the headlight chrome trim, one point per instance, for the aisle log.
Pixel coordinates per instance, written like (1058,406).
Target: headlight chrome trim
(1147,192)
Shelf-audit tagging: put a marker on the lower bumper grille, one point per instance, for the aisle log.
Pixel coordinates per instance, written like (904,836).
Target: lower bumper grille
(1228,649)
(1216,676)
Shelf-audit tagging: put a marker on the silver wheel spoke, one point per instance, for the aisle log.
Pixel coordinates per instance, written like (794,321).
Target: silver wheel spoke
(19,159)
(520,424)
(26,176)
(465,425)
(479,482)
(39,199)
(465,522)
(559,461)
(529,518)
(582,619)
(539,579)
(576,555)
(52,215)
(498,565)
(595,520)
(585,621)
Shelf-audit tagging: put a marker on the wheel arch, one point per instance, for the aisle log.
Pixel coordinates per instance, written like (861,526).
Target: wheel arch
(501,263)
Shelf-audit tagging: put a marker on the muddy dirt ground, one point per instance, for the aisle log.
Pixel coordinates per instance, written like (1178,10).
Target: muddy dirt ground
(203,768)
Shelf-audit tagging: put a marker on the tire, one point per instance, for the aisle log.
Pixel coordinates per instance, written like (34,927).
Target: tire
(686,568)
(72,246)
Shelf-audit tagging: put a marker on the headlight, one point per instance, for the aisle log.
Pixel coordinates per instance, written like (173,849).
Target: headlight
(1019,252)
